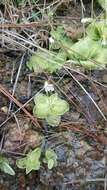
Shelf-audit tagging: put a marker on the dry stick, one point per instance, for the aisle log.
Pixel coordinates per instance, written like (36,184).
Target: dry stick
(70,100)
(2,141)
(44,4)
(18,126)
(65,94)
(86,180)
(67,18)
(92,82)
(90,96)
(11,152)
(19,37)
(15,84)
(91,79)
(89,59)
(86,93)
(34,120)
(92,8)
(28,25)
(100,139)
(21,107)
(82,11)
(92,99)
(81,85)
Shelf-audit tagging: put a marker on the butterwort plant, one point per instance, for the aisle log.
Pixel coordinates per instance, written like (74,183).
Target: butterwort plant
(34,159)
(50,158)
(50,107)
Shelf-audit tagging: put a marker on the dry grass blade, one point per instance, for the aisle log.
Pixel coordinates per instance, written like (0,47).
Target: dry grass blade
(20,108)
(16,80)
(86,180)
(7,94)
(85,76)
(97,107)
(23,26)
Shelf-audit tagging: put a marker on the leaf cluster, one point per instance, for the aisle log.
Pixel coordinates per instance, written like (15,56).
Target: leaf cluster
(49,60)
(50,158)
(50,108)
(46,61)
(93,46)
(32,161)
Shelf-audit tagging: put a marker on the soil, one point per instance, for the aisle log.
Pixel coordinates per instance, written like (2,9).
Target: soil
(80,141)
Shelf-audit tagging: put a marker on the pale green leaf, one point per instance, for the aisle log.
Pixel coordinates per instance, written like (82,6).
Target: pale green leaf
(50,164)
(97,30)
(60,38)
(46,61)
(5,167)
(38,62)
(50,154)
(83,49)
(41,98)
(31,161)
(34,154)
(50,107)
(32,165)
(58,33)
(58,106)
(42,108)
(51,158)
(21,163)
(93,32)
(41,111)
(99,61)
(103,4)
(101,58)
(53,120)
(88,64)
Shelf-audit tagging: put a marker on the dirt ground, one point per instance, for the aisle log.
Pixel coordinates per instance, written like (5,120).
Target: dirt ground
(80,141)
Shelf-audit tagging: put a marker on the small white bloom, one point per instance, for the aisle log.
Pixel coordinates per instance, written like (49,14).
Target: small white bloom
(85,20)
(48,87)
(51,40)
(104,42)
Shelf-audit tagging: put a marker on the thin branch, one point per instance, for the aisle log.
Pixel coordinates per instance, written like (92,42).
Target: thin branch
(97,107)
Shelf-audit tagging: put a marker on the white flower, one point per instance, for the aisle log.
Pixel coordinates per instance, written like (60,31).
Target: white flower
(48,87)
(104,42)
(85,20)
(51,40)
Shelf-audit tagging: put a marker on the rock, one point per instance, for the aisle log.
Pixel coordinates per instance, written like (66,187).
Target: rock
(83,149)
(16,137)
(32,138)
